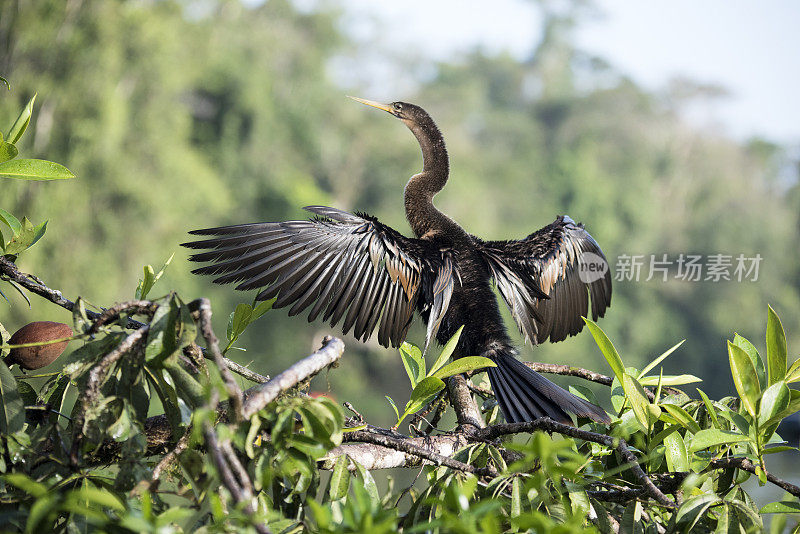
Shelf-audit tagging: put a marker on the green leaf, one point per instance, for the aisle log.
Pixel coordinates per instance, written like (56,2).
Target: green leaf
(793,374)
(607,348)
(239,320)
(21,124)
(658,360)
(394,407)
(447,351)
(781,507)
(710,409)
(516,499)
(773,403)
(26,237)
(776,347)
(423,393)
(147,281)
(12,409)
(261,308)
(713,437)
(755,357)
(369,485)
(27,393)
(34,169)
(150,278)
(744,377)
(630,523)
(682,417)
(462,365)
(8,85)
(637,398)
(26,484)
(603,523)
(340,479)
(413,362)
(675,453)
(11,221)
(669,380)
(7,151)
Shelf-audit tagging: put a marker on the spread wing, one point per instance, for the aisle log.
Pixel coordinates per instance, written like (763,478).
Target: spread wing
(343,266)
(548,278)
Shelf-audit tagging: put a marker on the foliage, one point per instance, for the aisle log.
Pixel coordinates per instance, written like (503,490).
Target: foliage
(23,234)
(425,386)
(95,468)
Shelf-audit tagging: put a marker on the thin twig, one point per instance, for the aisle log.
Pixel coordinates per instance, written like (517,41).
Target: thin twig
(162,465)
(239,491)
(420,416)
(234,391)
(331,350)
(567,370)
(95,381)
(746,465)
(112,313)
(359,418)
(548,425)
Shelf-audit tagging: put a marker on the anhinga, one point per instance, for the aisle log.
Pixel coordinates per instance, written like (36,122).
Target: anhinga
(351,267)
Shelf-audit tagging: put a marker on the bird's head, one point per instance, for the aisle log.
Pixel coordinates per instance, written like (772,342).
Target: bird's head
(408,113)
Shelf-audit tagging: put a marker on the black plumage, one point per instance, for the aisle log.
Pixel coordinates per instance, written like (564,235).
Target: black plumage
(351,268)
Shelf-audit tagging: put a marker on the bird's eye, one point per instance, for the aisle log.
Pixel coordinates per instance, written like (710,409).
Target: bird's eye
(397,106)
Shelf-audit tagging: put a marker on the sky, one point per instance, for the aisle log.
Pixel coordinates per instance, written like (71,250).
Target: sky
(749,48)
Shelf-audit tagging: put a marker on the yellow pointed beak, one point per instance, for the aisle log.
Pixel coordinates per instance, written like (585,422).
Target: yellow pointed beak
(379,105)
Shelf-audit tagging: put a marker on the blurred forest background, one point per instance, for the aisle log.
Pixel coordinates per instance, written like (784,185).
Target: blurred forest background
(183,115)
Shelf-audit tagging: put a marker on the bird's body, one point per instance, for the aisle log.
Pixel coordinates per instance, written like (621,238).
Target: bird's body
(355,269)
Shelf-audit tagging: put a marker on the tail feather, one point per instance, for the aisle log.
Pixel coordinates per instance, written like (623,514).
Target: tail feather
(525,395)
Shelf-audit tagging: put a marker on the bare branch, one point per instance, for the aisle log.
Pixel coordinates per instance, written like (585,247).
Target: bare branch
(567,370)
(234,391)
(746,465)
(331,350)
(467,411)
(379,451)
(109,314)
(240,491)
(244,372)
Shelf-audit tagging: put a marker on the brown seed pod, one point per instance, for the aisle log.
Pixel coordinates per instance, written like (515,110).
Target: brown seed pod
(32,358)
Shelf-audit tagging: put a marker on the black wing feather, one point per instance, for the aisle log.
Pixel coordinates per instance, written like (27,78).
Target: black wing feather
(348,266)
(540,281)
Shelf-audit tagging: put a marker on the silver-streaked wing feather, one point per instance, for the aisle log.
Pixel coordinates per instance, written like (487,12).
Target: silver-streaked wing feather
(346,267)
(540,280)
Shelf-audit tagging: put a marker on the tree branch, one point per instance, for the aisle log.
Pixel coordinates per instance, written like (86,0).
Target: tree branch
(746,465)
(467,411)
(567,370)
(240,490)
(379,451)
(331,350)
(234,391)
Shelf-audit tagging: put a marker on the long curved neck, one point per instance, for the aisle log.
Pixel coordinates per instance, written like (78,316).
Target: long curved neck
(422,215)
